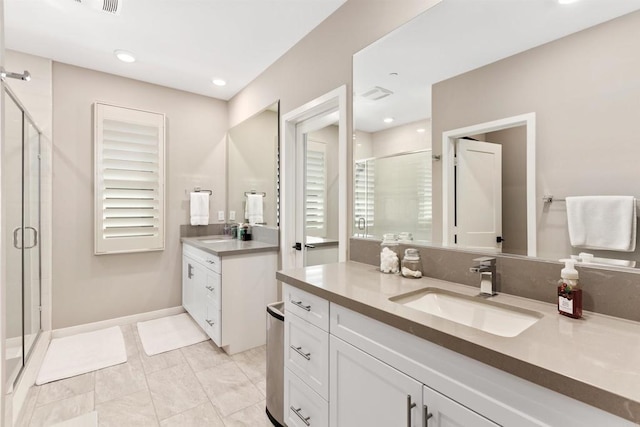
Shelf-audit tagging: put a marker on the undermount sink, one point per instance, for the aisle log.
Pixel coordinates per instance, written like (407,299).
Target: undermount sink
(214,240)
(489,316)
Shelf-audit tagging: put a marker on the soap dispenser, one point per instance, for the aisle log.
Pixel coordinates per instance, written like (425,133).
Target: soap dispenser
(569,292)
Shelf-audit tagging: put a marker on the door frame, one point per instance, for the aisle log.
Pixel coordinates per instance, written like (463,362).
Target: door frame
(448,170)
(323,105)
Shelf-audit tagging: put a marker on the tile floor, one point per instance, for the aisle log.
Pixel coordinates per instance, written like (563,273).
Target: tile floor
(199,385)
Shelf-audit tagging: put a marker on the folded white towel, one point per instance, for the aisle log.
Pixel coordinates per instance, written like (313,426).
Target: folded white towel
(253,210)
(199,208)
(602,222)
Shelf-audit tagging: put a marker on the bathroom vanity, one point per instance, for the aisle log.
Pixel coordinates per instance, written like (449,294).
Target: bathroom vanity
(226,284)
(365,348)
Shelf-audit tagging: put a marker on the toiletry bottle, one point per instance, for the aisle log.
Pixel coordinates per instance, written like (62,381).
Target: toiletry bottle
(569,292)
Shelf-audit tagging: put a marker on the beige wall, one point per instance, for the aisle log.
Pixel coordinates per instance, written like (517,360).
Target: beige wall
(584,90)
(322,61)
(89,288)
(514,187)
(252,165)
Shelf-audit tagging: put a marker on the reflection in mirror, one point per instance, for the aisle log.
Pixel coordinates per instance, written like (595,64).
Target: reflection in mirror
(252,169)
(321,194)
(572,68)
(394,193)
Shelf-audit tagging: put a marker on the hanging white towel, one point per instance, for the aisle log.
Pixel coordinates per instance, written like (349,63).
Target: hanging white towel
(253,210)
(199,208)
(602,222)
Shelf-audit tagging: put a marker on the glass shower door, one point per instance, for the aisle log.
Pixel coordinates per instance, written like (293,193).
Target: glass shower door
(21,198)
(31,236)
(12,200)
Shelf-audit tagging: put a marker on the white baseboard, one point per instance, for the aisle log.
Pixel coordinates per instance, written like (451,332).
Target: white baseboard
(119,321)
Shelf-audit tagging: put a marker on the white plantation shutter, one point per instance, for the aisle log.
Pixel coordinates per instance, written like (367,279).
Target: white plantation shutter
(129,180)
(316,189)
(364,195)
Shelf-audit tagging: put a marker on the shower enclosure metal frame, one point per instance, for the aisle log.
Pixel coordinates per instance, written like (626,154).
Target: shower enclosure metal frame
(18,234)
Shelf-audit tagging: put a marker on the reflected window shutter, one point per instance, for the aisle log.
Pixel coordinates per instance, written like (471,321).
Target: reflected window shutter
(316,189)
(129,180)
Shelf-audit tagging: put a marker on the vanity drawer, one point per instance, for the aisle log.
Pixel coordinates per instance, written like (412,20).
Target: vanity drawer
(211,261)
(303,407)
(212,322)
(212,288)
(311,308)
(306,349)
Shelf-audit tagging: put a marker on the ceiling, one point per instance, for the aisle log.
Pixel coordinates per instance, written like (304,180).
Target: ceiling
(179,44)
(456,36)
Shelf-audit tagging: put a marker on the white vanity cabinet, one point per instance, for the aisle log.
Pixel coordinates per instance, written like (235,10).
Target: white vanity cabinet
(367,392)
(306,358)
(227,295)
(440,411)
(381,376)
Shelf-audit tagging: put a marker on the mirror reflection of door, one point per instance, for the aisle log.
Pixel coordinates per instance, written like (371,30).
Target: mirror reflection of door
(478,200)
(317,190)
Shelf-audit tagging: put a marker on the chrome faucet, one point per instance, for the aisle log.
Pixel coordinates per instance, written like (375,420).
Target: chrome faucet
(487,269)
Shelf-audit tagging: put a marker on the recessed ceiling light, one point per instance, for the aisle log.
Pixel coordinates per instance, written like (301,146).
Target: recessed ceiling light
(219,82)
(567,1)
(393,74)
(421,130)
(388,120)
(124,56)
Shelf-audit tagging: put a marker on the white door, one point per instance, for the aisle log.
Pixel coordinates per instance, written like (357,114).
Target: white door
(316,190)
(367,392)
(293,128)
(478,201)
(441,411)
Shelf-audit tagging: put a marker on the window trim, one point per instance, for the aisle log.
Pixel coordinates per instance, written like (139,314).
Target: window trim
(106,111)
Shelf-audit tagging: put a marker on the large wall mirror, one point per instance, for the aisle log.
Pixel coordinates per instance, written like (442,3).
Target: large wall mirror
(509,103)
(252,169)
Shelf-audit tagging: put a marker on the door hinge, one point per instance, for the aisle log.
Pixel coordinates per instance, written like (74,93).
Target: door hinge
(40,308)
(455,160)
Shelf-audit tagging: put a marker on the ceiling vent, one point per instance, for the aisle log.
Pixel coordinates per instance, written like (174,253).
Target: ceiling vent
(110,6)
(376,93)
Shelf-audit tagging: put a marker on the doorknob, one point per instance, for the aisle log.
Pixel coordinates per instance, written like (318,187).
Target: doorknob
(297,246)
(309,246)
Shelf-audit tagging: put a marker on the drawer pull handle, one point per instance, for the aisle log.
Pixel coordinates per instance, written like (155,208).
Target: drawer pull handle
(301,305)
(211,288)
(300,352)
(304,419)
(190,271)
(410,406)
(427,415)
(210,261)
(210,322)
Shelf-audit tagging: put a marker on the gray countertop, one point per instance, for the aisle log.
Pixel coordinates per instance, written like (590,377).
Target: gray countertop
(225,246)
(595,359)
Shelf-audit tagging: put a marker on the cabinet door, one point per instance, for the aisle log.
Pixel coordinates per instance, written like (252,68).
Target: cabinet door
(367,392)
(188,284)
(441,411)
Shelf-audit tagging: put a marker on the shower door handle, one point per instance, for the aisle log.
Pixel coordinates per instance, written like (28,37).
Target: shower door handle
(35,237)
(15,238)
